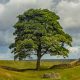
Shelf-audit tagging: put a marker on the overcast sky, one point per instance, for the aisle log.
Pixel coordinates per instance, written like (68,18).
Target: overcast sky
(68,10)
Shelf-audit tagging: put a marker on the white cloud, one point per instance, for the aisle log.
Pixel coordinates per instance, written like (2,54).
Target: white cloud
(69,13)
(74,49)
(11,10)
(44,4)
(74,52)
(25,1)
(15,7)
(1,9)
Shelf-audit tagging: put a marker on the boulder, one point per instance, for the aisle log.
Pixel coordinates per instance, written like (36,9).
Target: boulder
(52,75)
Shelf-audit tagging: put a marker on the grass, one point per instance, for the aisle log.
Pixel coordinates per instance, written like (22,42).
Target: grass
(66,74)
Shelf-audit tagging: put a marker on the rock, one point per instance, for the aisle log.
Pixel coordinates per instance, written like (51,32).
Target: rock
(52,75)
(47,75)
(55,75)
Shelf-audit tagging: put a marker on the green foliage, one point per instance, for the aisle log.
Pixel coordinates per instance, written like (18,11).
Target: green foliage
(39,30)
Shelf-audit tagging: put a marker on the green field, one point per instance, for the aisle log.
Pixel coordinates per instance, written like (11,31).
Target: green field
(66,74)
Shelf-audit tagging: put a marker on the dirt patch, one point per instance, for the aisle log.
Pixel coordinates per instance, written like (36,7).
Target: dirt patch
(9,68)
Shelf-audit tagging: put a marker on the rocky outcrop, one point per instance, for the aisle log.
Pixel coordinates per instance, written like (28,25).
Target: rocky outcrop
(52,75)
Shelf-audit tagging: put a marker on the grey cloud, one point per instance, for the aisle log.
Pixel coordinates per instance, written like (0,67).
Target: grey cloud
(69,10)
(69,13)
(6,38)
(76,1)
(72,31)
(75,33)
(13,8)
(4,1)
(9,13)
(69,16)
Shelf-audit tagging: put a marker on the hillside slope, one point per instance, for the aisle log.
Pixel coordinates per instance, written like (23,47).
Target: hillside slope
(66,74)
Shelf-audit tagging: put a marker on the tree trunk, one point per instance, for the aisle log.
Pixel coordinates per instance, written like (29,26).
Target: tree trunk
(38,56)
(38,63)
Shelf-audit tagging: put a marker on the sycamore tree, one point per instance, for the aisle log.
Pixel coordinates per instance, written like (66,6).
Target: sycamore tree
(39,31)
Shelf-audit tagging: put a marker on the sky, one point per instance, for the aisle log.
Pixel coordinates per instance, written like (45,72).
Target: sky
(68,10)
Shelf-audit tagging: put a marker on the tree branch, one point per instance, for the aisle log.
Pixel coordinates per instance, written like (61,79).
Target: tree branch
(44,52)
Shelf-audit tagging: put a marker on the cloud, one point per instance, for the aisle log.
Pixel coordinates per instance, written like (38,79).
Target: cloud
(4,1)
(75,34)
(15,7)
(74,52)
(1,9)
(69,12)
(74,49)
(44,4)
(9,12)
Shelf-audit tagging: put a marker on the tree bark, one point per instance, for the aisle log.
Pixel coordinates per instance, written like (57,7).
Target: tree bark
(38,56)
(38,63)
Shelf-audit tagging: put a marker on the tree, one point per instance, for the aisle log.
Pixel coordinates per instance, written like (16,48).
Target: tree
(39,30)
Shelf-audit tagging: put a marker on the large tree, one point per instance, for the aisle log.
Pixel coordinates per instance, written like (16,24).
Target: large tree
(39,31)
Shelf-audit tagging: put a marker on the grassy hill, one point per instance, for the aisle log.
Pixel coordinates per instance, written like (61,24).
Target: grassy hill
(66,74)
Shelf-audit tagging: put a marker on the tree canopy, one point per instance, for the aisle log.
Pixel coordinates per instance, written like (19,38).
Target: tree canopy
(39,30)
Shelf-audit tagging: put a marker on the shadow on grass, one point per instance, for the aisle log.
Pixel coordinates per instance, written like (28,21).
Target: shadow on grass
(34,69)
(21,70)
(14,69)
